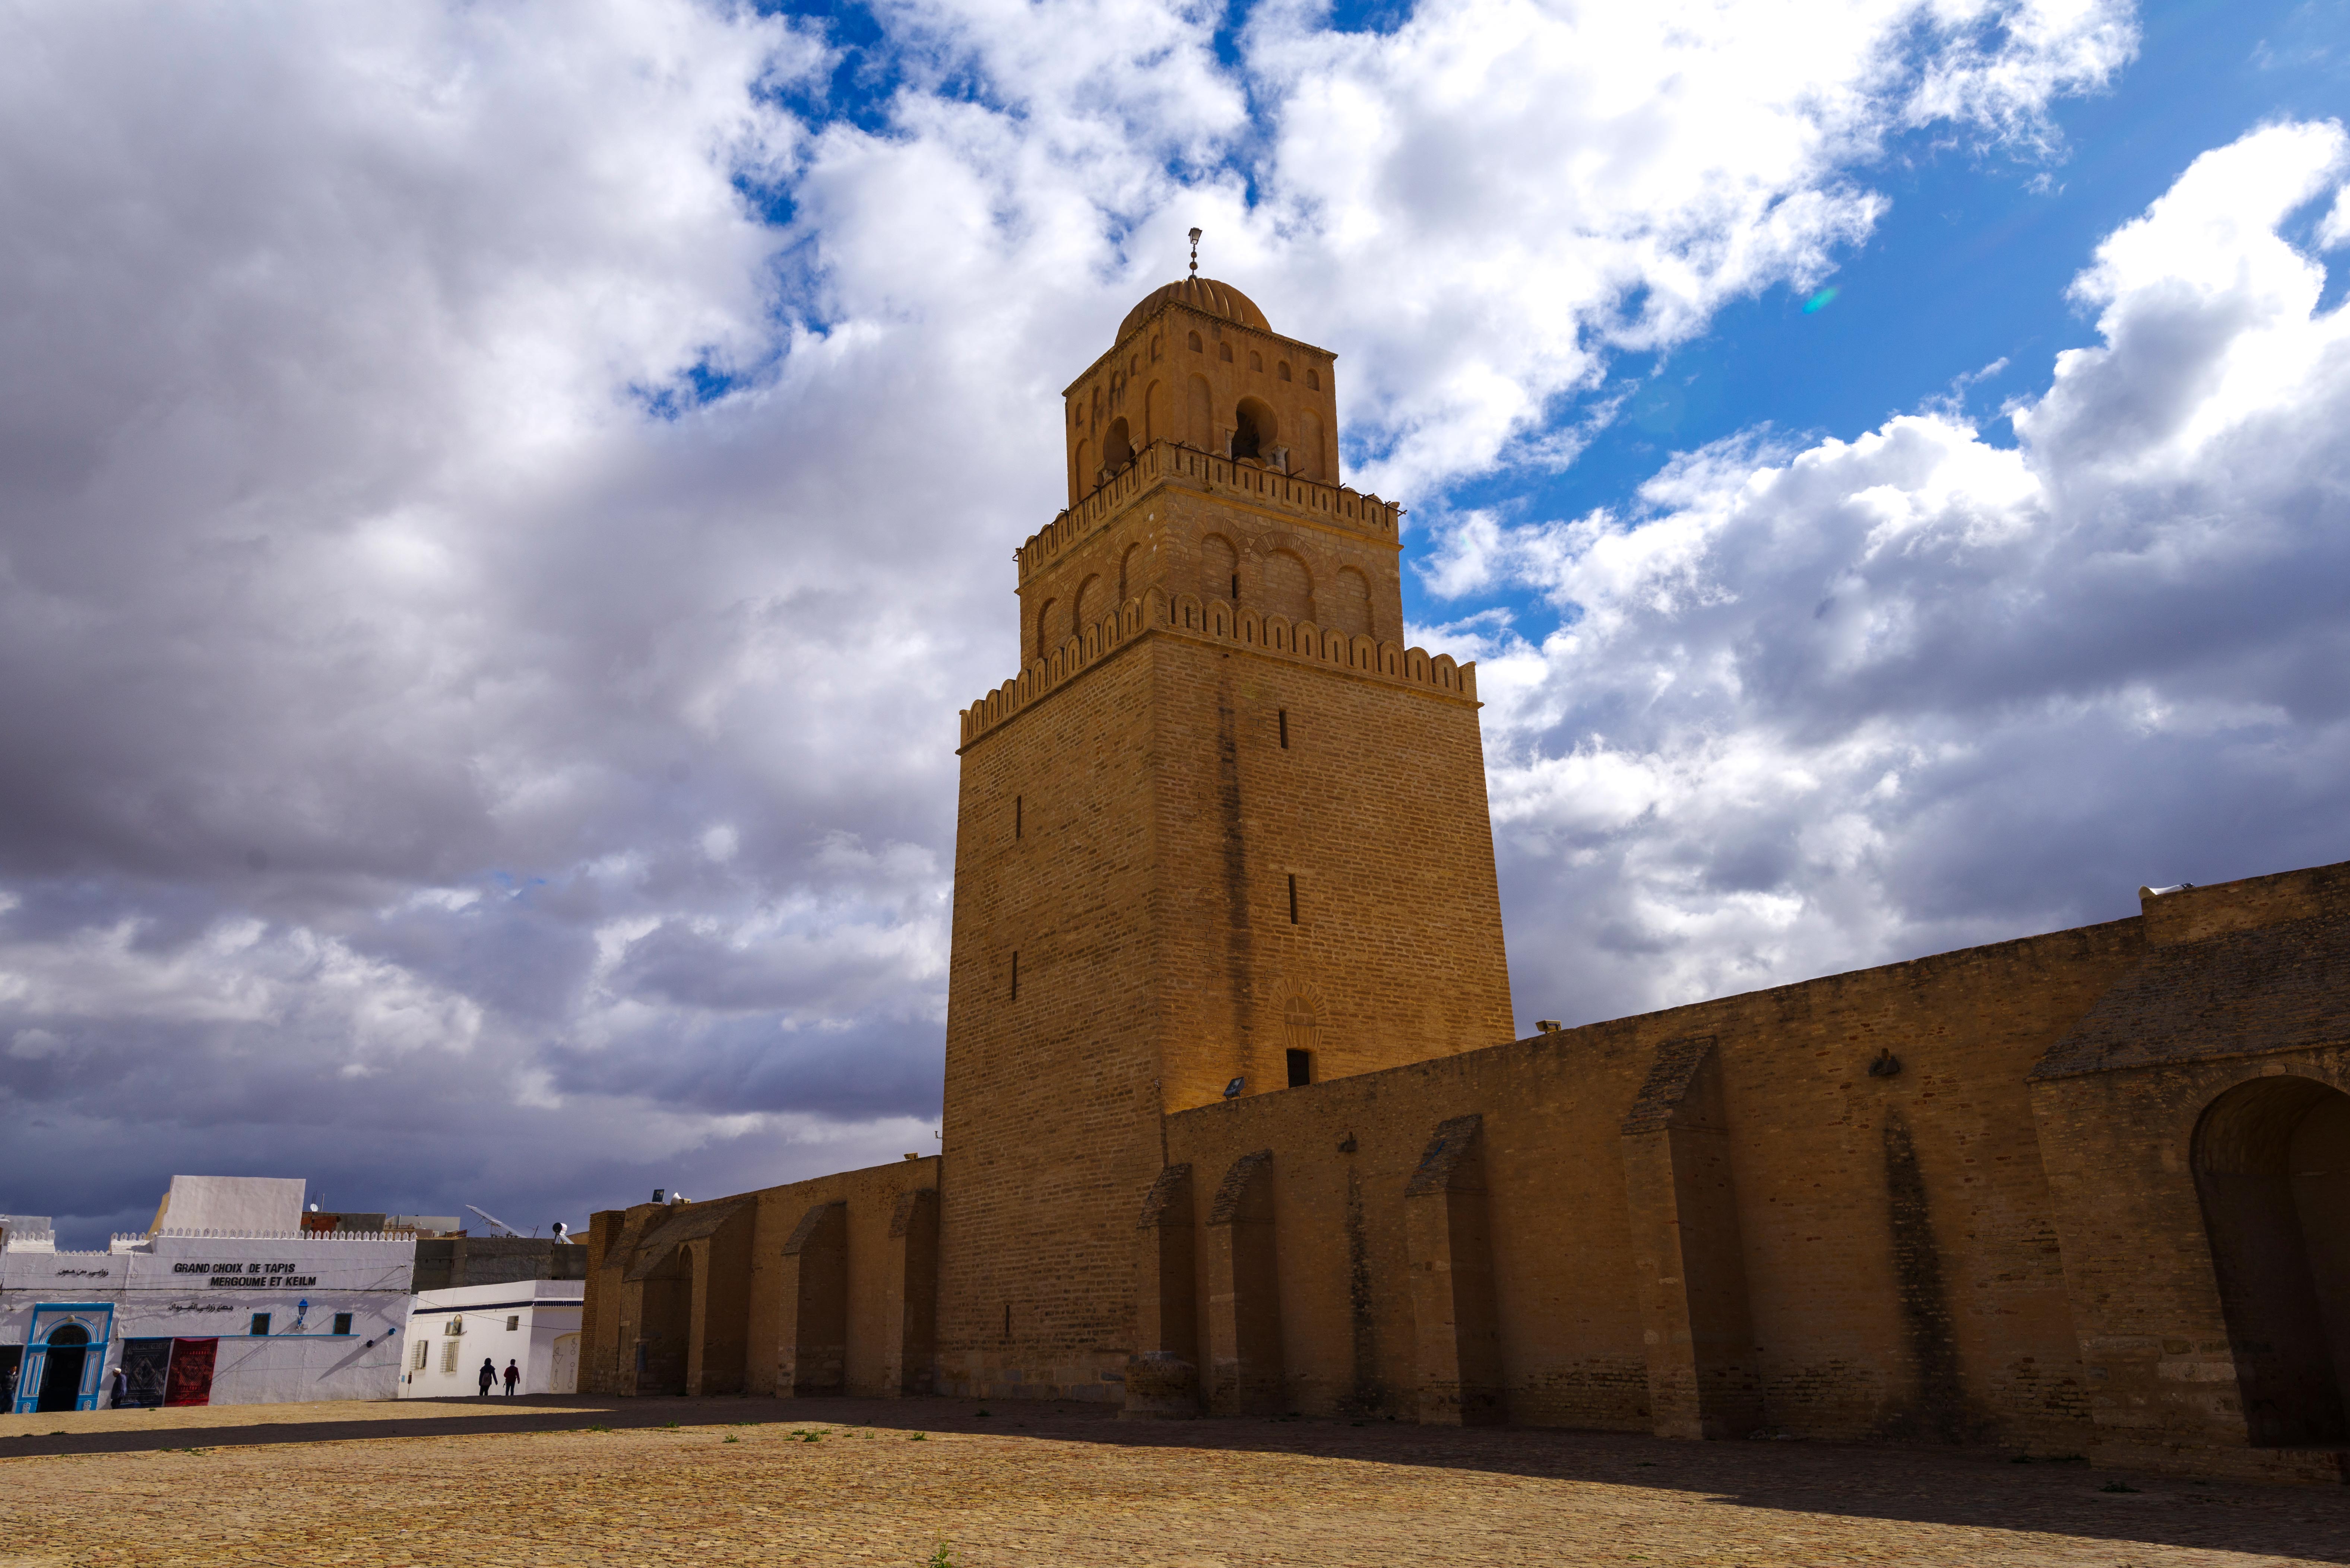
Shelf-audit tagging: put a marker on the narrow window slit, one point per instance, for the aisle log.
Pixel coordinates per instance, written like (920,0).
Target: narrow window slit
(1293,915)
(1285,739)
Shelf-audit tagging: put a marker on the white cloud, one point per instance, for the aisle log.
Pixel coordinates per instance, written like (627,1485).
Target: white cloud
(1874,697)
(1486,204)
(2335,232)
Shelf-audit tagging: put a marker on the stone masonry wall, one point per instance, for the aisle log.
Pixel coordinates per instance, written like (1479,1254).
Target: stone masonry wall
(1318,894)
(753,1232)
(1134,835)
(1052,1102)
(1164,388)
(1891,1236)
(2197,1069)
(1184,523)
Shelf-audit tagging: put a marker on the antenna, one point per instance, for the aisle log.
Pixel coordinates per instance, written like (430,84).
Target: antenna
(496,1221)
(1195,253)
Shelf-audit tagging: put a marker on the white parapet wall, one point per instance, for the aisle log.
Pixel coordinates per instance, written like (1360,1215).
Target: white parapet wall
(222,1315)
(259,1203)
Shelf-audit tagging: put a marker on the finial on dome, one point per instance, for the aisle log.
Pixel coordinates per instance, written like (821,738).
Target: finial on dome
(1195,253)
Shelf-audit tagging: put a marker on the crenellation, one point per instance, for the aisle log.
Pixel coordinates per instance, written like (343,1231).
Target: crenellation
(1333,506)
(1218,620)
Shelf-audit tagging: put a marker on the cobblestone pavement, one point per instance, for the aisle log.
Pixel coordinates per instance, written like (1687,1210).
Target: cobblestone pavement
(857,1482)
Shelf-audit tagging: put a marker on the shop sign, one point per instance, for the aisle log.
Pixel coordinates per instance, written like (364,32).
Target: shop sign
(250,1276)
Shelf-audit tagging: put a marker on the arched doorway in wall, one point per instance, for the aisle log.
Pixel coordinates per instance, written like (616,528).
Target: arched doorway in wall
(61,1372)
(1118,446)
(666,1325)
(2273,1169)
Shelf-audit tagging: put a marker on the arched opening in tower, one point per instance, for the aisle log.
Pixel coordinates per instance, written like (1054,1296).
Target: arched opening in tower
(1117,448)
(2272,1169)
(1252,432)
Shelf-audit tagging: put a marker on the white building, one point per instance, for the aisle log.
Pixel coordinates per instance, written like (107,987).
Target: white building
(227,1301)
(534,1323)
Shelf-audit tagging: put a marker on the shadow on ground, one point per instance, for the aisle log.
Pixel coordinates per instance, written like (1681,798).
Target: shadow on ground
(1924,1484)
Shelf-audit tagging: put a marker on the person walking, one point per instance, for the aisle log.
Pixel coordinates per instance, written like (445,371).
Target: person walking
(118,1393)
(487,1376)
(514,1376)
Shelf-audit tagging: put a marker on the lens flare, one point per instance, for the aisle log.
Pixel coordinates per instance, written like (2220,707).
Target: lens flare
(1820,301)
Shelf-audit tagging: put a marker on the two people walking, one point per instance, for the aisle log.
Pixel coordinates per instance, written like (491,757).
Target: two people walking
(488,1376)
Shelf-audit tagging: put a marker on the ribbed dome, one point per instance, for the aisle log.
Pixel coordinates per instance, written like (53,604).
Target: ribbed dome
(1202,294)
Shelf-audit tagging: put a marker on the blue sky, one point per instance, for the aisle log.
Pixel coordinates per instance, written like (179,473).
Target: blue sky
(501,507)
(1968,267)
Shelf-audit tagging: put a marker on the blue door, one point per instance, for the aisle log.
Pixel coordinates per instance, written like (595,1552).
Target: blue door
(65,1357)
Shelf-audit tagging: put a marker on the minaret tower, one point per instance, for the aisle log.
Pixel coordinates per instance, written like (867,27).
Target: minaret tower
(1223,834)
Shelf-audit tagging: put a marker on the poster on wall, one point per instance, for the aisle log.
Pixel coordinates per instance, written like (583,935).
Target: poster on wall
(145,1365)
(190,1379)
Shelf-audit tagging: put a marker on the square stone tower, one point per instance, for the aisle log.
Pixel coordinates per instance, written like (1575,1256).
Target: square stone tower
(1222,834)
